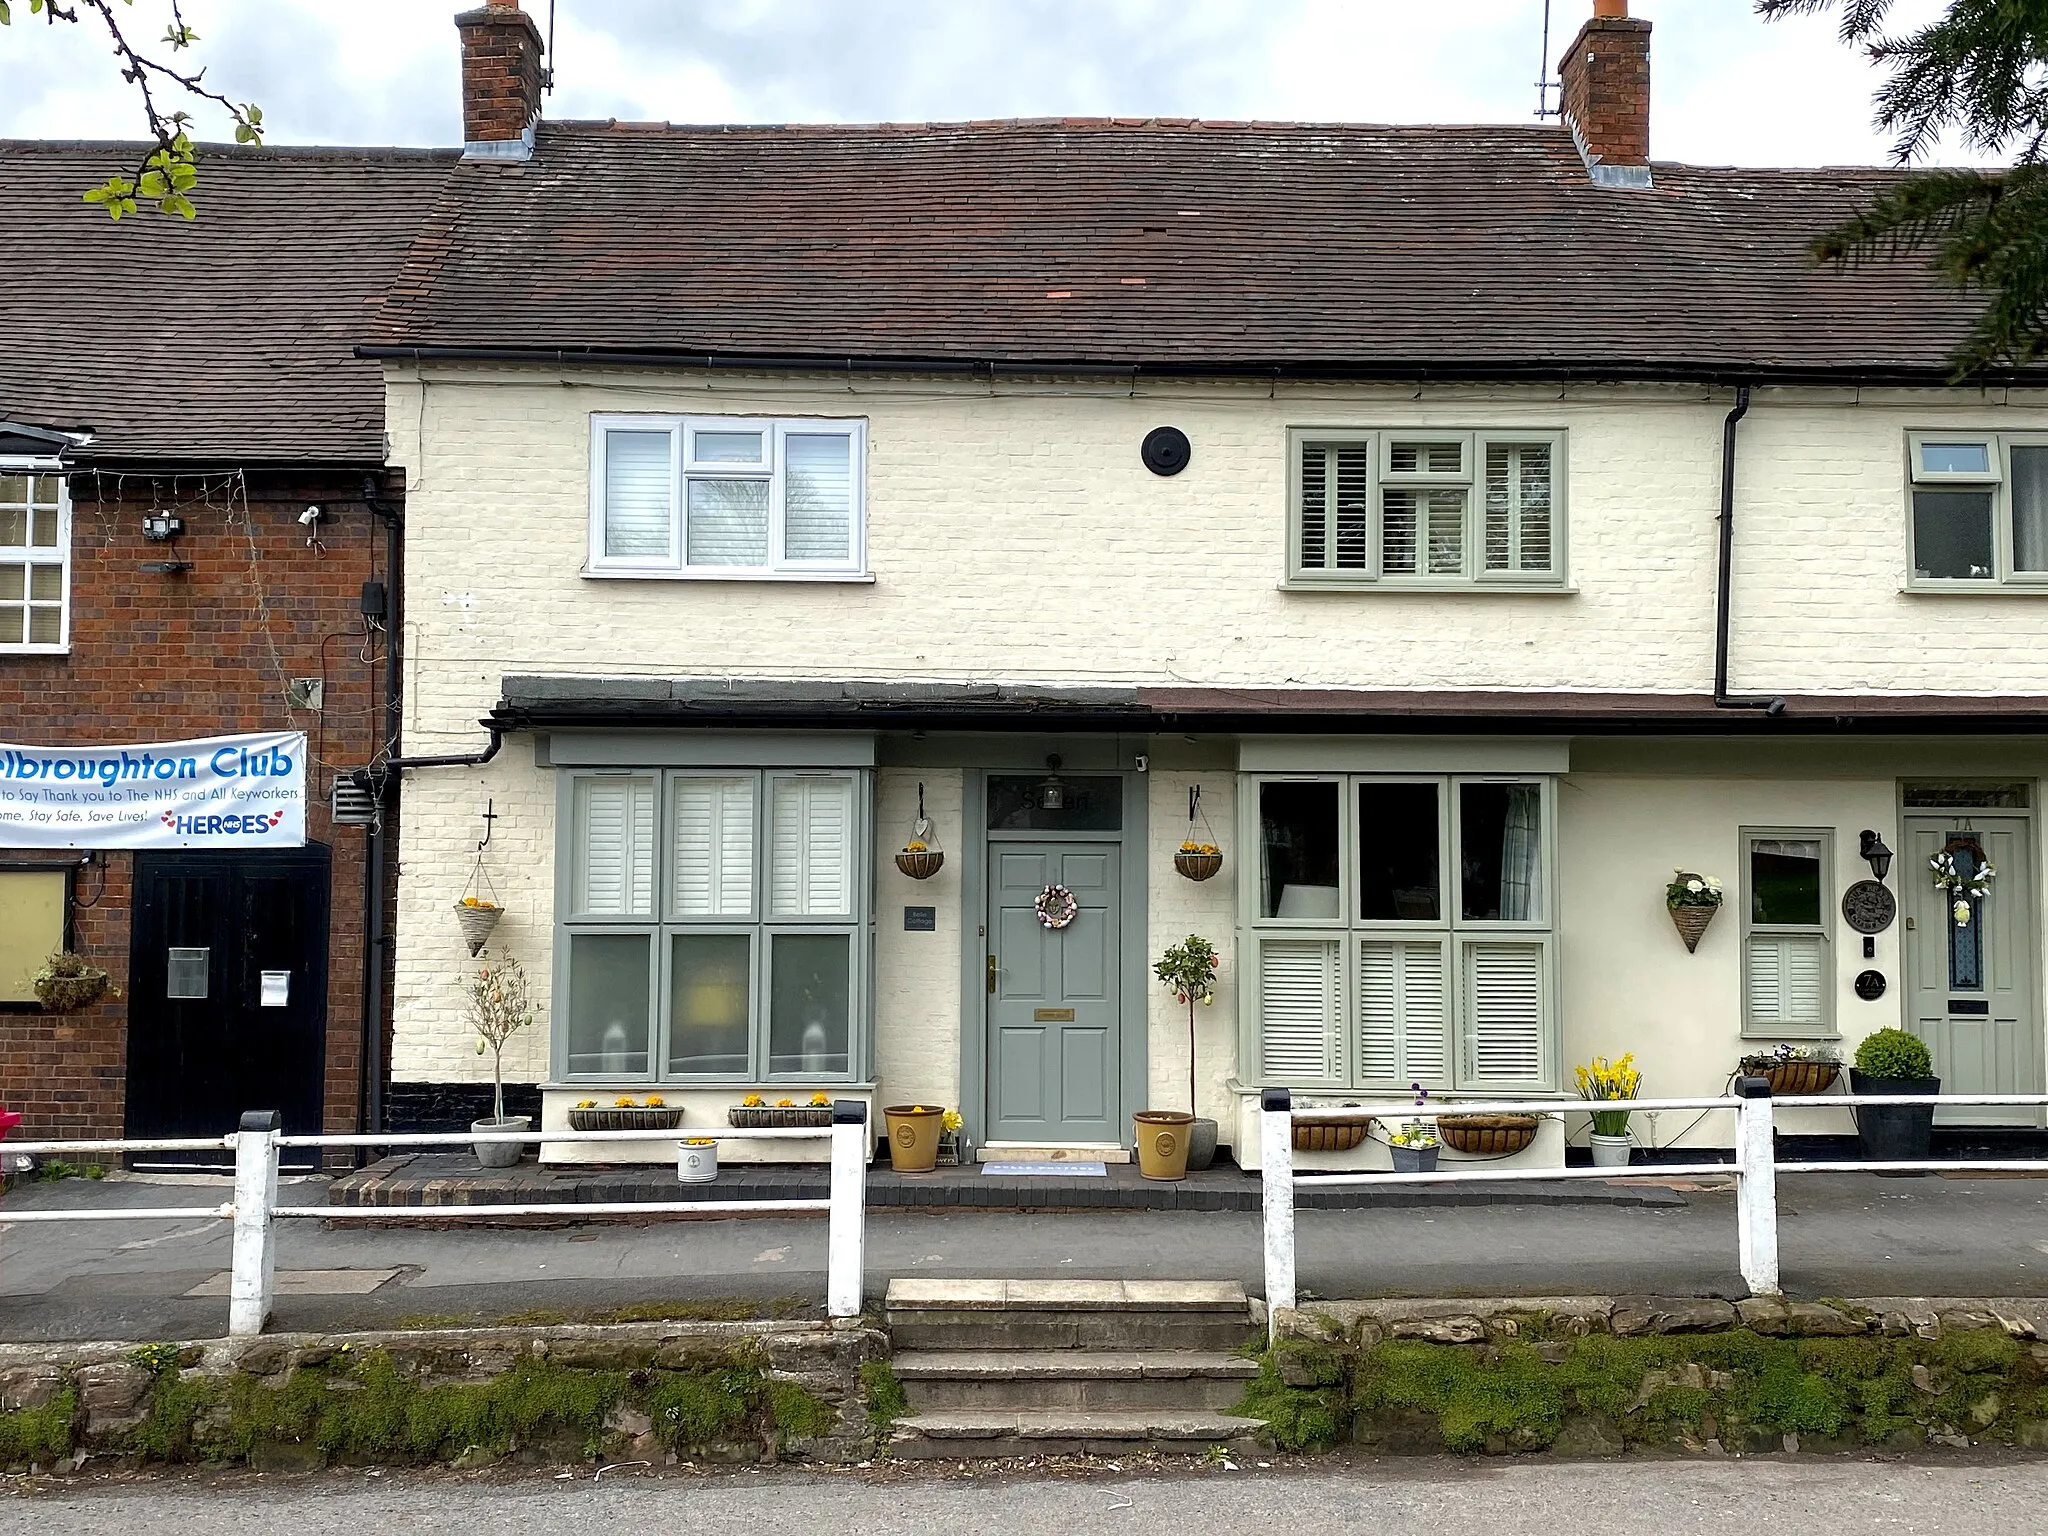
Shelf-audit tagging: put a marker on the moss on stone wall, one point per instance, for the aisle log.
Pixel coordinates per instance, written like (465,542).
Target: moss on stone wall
(32,1435)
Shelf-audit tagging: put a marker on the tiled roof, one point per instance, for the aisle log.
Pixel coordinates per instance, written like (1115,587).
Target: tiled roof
(227,340)
(1390,250)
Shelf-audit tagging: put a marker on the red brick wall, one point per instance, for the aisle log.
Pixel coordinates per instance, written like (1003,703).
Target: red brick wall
(1605,77)
(162,657)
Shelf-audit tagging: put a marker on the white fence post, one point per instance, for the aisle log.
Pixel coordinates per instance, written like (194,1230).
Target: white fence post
(845,1237)
(1756,1190)
(255,1255)
(1276,1174)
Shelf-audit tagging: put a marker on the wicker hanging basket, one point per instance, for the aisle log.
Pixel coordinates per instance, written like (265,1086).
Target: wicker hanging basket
(476,922)
(921,865)
(778,1117)
(1198,866)
(1790,1077)
(1486,1135)
(1691,923)
(1331,1135)
(639,1118)
(70,992)
(1198,857)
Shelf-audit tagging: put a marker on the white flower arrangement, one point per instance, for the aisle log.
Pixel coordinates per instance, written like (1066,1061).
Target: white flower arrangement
(1691,890)
(1964,889)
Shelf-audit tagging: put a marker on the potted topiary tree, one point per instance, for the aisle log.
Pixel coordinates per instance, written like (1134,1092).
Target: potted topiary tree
(500,1005)
(1893,1061)
(1189,971)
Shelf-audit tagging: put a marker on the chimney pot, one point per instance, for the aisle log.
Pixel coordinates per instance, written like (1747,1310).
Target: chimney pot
(502,79)
(1605,88)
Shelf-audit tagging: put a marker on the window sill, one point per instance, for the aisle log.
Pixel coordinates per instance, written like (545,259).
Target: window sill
(1974,589)
(642,1085)
(35,650)
(835,578)
(1436,588)
(1824,1036)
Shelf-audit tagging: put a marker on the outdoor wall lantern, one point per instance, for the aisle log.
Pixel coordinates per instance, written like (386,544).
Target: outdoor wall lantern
(1874,850)
(1052,791)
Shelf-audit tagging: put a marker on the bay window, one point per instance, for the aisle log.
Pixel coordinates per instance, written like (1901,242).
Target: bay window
(712,925)
(1401,931)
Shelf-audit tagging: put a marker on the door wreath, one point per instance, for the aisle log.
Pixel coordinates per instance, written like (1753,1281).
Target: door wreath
(1962,888)
(1056,907)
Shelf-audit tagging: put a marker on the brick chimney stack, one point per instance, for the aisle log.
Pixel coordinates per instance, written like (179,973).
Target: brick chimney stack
(501,80)
(1605,80)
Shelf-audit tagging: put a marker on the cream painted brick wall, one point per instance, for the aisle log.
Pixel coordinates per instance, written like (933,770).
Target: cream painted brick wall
(1178,907)
(917,975)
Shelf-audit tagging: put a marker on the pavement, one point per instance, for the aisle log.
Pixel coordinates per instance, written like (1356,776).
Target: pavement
(1816,1496)
(1841,1235)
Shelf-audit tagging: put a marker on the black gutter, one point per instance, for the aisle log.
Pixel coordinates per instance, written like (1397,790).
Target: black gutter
(395,765)
(1724,589)
(1716,375)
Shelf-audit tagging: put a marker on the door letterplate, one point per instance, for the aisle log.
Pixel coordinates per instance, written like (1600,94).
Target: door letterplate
(1052,1015)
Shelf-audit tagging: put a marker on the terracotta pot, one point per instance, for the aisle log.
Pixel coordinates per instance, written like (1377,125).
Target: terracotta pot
(1691,923)
(1162,1137)
(914,1137)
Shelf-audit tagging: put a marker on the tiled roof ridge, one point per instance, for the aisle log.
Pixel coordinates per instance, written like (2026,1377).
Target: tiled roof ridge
(57,148)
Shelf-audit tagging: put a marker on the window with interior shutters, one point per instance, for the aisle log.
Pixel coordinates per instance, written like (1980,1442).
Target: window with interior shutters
(1298,991)
(1403,1027)
(1405,508)
(614,847)
(1504,1014)
(1785,953)
(712,833)
(811,864)
(727,496)
(1785,975)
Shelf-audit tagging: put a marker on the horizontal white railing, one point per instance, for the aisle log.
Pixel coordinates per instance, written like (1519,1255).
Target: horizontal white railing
(1755,1168)
(255,1207)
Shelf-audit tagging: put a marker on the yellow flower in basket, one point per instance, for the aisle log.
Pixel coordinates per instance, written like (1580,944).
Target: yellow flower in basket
(785,1104)
(752,1101)
(914,846)
(586,1103)
(654,1101)
(821,1101)
(624,1101)
(1210,848)
(1190,847)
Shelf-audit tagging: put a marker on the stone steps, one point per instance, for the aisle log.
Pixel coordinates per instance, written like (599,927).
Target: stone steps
(966,1435)
(956,1315)
(944,1380)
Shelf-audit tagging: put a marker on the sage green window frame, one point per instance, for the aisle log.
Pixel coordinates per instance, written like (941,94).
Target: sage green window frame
(1461,945)
(1821,1027)
(663,923)
(1471,479)
(1997,481)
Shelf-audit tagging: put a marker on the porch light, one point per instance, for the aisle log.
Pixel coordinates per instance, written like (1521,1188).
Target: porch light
(1874,850)
(1052,792)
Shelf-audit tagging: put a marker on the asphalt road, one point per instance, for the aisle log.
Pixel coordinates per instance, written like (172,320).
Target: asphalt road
(1842,1235)
(1814,1497)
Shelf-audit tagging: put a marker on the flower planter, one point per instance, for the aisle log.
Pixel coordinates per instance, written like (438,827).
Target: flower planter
(1792,1077)
(70,994)
(921,866)
(778,1117)
(1893,1133)
(697,1162)
(1691,923)
(476,922)
(499,1154)
(1201,1144)
(1611,1151)
(1162,1137)
(1199,866)
(1487,1135)
(1331,1135)
(1415,1159)
(617,1119)
(914,1137)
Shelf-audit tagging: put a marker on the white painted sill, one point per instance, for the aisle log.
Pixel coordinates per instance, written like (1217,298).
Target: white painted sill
(34,650)
(1975,589)
(830,578)
(1435,588)
(642,1086)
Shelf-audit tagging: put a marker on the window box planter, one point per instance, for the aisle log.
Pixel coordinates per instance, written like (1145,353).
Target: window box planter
(617,1119)
(1796,1077)
(1331,1135)
(1487,1135)
(778,1118)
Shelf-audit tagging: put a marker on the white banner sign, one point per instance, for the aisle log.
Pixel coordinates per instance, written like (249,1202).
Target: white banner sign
(220,792)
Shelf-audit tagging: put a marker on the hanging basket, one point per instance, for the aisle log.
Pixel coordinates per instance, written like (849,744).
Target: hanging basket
(69,994)
(922,865)
(1691,923)
(1331,1135)
(1199,866)
(1790,1077)
(476,922)
(1486,1135)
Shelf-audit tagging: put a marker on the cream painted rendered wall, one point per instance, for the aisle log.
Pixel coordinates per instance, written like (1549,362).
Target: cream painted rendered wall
(1178,907)
(917,975)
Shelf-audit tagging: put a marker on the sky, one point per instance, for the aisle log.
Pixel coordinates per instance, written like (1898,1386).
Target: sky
(1727,88)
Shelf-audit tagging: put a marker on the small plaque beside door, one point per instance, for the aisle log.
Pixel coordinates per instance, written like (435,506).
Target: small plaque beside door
(1052,1015)
(920,919)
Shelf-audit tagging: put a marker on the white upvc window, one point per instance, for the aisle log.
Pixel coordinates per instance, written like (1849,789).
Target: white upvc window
(727,497)
(1977,514)
(1402,931)
(710,925)
(1415,507)
(35,558)
(1787,958)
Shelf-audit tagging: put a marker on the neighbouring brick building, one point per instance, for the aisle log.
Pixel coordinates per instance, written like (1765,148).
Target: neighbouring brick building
(199,376)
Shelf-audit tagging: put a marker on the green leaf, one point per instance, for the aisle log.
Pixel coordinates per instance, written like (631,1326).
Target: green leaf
(180,205)
(6,18)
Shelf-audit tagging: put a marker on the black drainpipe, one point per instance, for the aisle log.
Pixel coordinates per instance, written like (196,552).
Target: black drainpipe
(1722,698)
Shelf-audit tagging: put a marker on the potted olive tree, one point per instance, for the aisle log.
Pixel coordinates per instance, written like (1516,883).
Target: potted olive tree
(1188,970)
(1894,1061)
(500,1005)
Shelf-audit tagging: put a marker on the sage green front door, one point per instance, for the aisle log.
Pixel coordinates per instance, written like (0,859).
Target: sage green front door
(1972,983)
(1055,1042)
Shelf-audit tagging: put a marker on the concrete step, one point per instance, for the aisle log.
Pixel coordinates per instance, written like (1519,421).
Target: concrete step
(975,1315)
(1173,1380)
(964,1435)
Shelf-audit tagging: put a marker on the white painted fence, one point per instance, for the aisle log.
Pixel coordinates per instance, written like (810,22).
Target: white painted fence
(1755,1169)
(254,1209)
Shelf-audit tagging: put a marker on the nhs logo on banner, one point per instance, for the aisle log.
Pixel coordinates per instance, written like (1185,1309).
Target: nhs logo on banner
(222,791)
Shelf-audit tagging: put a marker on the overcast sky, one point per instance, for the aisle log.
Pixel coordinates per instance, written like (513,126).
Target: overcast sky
(1726,87)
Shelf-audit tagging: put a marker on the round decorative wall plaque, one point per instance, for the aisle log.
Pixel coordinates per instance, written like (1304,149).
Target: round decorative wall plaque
(1870,985)
(1868,906)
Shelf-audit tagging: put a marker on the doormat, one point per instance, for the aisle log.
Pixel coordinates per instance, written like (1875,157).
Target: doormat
(1046,1170)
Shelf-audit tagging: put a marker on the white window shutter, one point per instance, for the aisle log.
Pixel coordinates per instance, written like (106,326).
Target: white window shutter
(1298,1005)
(1518,507)
(637,489)
(1787,974)
(714,847)
(1402,1020)
(1505,1014)
(615,847)
(811,858)
(817,498)
(1336,506)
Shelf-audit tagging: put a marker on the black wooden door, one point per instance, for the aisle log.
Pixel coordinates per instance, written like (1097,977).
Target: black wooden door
(227,992)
